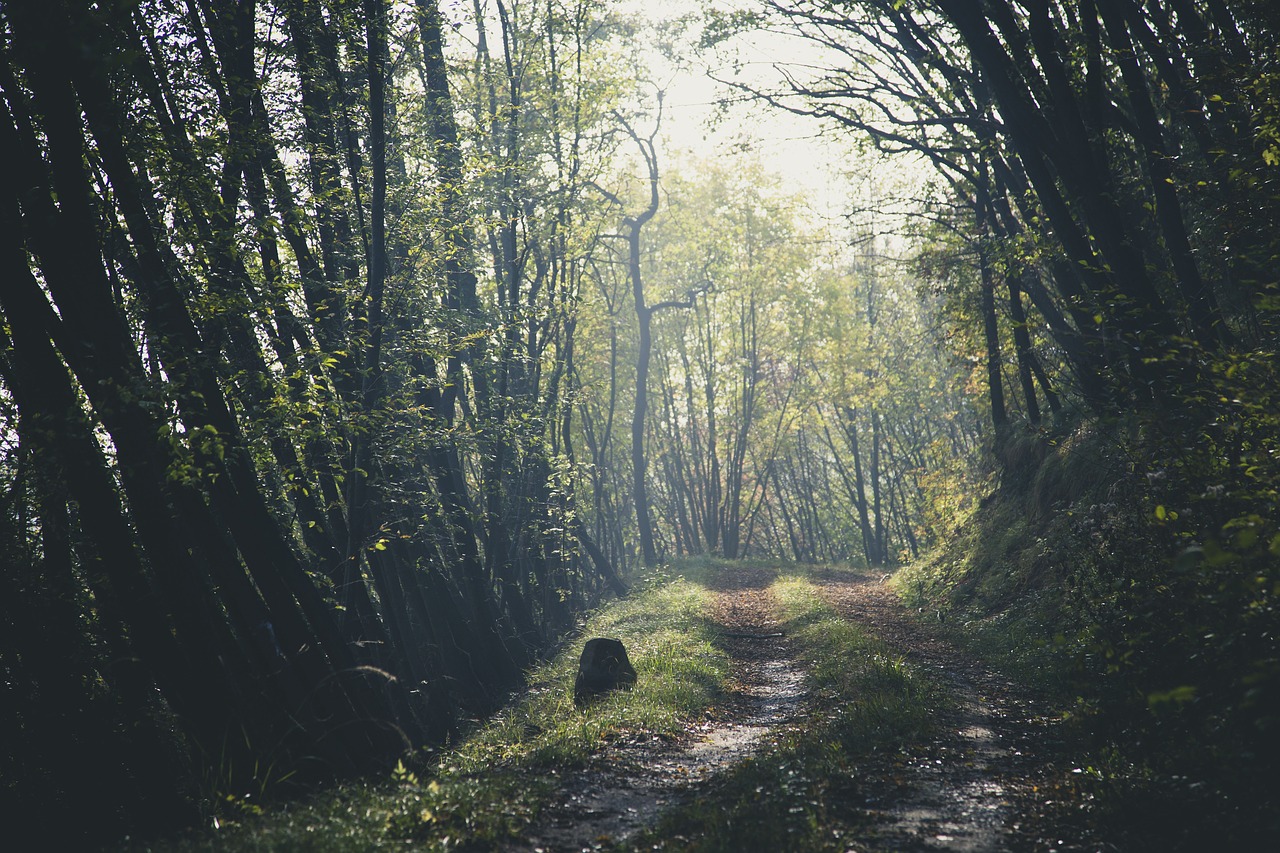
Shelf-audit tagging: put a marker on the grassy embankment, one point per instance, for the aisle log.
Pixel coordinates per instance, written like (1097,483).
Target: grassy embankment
(486,788)
(1135,581)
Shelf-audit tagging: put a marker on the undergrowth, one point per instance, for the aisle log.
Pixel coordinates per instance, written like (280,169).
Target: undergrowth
(482,792)
(801,791)
(1129,570)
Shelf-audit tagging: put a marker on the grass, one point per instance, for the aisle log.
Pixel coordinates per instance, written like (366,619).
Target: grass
(1028,642)
(801,792)
(484,791)
(1084,576)
(679,671)
(999,588)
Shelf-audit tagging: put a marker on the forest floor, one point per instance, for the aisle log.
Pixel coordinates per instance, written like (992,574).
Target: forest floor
(777,710)
(965,786)
(626,786)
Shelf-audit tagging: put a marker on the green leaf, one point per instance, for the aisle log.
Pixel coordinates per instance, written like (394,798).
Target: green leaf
(1177,696)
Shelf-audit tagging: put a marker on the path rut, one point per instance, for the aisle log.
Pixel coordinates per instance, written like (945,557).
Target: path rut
(625,787)
(962,791)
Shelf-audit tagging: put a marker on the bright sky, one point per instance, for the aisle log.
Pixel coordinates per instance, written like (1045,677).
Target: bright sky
(788,145)
(820,162)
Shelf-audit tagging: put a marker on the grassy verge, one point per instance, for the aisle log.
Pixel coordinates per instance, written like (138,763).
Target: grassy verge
(484,791)
(987,590)
(1100,785)
(867,703)
(1108,571)
(1123,775)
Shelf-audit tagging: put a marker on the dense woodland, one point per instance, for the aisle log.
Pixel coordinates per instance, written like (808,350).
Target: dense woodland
(351,349)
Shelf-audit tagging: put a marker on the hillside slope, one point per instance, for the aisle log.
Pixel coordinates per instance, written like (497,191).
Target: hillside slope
(1136,579)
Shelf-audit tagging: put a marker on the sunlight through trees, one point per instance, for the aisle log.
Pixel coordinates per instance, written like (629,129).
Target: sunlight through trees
(351,350)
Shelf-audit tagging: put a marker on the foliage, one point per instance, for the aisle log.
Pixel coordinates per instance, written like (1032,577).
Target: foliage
(1104,202)
(315,363)
(1113,576)
(302,452)
(802,409)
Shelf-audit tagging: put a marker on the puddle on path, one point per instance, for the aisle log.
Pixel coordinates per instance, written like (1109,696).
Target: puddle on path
(625,789)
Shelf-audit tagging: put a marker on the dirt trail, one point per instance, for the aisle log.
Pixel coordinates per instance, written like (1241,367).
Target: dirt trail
(959,793)
(624,789)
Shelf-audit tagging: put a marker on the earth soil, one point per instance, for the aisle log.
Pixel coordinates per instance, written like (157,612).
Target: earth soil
(960,792)
(966,790)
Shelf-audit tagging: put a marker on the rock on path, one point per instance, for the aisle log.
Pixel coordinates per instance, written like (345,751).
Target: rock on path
(625,787)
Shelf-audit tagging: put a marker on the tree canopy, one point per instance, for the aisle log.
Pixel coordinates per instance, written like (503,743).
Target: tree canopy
(351,349)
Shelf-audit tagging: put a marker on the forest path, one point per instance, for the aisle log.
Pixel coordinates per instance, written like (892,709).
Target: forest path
(626,786)
(960,792)
(964,790)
